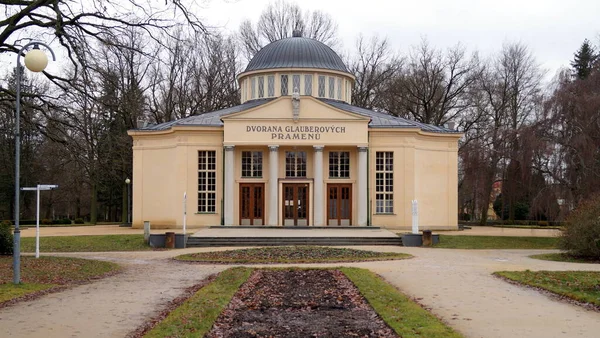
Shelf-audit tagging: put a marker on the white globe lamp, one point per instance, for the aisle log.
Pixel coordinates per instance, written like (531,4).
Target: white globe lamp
(36,60)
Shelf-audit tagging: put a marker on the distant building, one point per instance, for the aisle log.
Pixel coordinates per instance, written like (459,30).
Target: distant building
(295,152)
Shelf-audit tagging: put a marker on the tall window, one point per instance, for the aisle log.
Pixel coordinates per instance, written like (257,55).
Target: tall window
(296,83)
(207,181)
(271,85)
(251,163)
(321,86)
(384,182)
(307,84)
(332,87)
(284,85)
(339,164)
(253,88)
(295,164)
(261,86)
(339,88)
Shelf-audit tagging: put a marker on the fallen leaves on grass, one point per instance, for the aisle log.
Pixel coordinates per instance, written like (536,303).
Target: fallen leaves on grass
(290,254)
(299,303)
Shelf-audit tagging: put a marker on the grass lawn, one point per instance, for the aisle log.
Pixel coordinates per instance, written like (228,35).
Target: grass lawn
(581,286)
(48,272)
(403,315)
(496,242)
(290,254)
(86,243)
(197,314)
(564,257)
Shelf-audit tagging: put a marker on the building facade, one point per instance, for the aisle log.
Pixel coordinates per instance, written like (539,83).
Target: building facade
(295,152)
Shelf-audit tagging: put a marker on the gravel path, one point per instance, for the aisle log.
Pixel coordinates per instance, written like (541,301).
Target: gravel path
(456,284)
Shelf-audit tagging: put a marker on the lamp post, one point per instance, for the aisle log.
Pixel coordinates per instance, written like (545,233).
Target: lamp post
(35,61)
(128,182)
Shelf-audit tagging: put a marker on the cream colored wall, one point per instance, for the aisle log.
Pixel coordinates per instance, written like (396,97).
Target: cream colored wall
(165,166)
(425,168)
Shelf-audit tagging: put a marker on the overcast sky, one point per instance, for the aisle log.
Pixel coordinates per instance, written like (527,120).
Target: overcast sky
(552,29)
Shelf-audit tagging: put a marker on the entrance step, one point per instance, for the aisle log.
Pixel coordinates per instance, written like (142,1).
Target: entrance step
(281,241)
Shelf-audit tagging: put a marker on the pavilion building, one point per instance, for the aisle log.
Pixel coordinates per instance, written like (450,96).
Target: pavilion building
(295,152)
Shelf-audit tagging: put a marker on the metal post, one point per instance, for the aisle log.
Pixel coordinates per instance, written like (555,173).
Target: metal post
(17,233)
(37,224)
(184,212)
(129,203)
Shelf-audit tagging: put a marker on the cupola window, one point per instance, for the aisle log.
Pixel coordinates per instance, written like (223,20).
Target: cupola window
(261,86)
(271,85)
(284,85)
(307,84)
(339,88)
(253,88)
(332,87)
(296,83)
(321,86)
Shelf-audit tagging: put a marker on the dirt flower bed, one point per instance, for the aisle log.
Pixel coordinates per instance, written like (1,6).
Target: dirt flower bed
(290,254)
(299,303)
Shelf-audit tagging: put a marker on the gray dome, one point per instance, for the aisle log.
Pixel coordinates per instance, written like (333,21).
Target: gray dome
(296,52)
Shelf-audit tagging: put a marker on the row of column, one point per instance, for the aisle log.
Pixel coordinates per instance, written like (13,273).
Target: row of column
(318,186)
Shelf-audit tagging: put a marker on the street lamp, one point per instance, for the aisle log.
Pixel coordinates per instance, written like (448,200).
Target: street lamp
(128,182)
(35,61)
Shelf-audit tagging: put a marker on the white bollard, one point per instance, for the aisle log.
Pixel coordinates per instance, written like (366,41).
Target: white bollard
(146,231)
(415,217)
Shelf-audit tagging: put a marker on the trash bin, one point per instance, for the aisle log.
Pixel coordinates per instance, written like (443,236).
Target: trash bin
(427,240)
(170,240)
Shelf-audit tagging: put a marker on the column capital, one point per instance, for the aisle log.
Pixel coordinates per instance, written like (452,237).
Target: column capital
(362,148)
(229,148)
(273,147)
(318,148)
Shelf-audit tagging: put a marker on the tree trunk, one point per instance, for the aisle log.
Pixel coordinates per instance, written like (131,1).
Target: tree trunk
(94,204)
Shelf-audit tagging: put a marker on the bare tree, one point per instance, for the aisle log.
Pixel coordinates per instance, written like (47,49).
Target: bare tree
(375,66)
(435,87)
(279,20)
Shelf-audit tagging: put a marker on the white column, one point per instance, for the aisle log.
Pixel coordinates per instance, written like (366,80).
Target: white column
(362,186)
(318,187)
(273,184)
(229,172)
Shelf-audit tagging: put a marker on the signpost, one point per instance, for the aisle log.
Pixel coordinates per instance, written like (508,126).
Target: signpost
(39,188)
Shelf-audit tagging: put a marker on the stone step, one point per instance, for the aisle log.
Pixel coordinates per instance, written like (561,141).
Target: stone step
(275,241)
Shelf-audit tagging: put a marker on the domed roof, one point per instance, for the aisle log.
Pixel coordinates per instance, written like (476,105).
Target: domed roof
(296,52)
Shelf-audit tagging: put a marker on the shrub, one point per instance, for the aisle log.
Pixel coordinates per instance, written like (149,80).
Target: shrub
(542,223)
(6,238)
(61,221)
(78,220)
(582,232)
(46,221)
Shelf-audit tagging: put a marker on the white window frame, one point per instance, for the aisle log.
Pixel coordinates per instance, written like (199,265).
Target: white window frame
(384,182)
(207,181)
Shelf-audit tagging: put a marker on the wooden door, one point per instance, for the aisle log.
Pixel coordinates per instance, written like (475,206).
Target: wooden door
(339,204)
(295,204)
(252,203)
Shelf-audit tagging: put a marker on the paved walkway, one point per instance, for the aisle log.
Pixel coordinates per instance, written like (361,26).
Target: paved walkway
(456,284)
(261,232)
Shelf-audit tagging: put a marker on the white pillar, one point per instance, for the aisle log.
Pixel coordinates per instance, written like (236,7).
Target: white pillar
(362,186)
(228,198)
(273,184)
(318,187)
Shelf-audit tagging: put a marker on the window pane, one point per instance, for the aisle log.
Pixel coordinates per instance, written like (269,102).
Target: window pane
(321,86)
(296,83)
(339,88)
(384,181)
(331,87)
(207,181)
(253,87)
(284,85)
(307,84)
(261,86)
(271,85)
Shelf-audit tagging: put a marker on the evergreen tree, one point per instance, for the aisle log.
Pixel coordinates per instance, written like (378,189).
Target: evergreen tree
(584,60)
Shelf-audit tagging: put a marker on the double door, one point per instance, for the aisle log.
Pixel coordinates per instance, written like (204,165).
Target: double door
(295,204)
(339,204)
(252,204)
